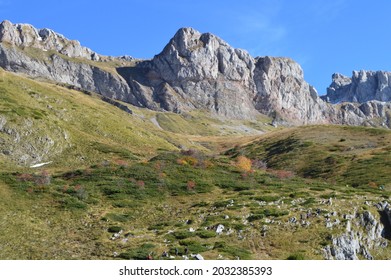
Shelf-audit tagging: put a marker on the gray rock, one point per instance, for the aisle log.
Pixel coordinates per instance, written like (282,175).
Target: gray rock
(366,254)
(373,227)
(363,86)
(197,71)
(345,247)
(200,71)
(3,121)
(366,235)
(25,35)
(219,229)
(197,257)
(282,92)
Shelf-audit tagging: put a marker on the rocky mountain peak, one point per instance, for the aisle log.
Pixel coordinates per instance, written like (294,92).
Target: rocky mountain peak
(363,86)
(25,35)
(196,56)
(206,72)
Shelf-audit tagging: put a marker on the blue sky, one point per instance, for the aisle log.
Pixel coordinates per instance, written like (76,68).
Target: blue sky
(324,36)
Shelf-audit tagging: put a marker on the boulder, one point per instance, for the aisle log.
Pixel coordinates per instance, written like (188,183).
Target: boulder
(219,229)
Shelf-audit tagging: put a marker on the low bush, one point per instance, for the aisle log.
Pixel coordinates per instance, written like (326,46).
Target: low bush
(114,229)
(140,253)
(206,234)
(183,234)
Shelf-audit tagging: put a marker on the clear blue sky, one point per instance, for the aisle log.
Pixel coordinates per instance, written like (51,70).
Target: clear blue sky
(324,36)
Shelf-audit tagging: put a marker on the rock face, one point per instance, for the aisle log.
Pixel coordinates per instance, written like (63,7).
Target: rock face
(368,234)
(59,69)
(201,71)
(25,35)
(363,86)
(281,90)
(198,71)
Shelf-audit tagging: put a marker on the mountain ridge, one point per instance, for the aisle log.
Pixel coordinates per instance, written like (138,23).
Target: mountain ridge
(194,71)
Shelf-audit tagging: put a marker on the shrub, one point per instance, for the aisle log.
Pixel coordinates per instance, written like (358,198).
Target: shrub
(259,164)
(183,234)
(73,203)
(191,185)
(43,179)
(267,198)
(242,253)
(255,217)
(243,163)
(296,256)
(187,160)
(206,234)
(140,184)
(282,174)
(121,163)
(189,152)
(25,177)
(114,229)
(207,164)
(80,192)
(194,246)
(140,253)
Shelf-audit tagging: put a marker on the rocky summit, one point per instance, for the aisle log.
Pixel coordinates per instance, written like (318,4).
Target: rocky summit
(198,71)
(363,86)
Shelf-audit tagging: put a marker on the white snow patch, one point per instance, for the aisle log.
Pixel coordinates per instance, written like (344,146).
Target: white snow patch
(40,164)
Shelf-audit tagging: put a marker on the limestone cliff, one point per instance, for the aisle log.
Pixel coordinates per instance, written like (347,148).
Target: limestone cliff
(198,71)
(282,90)
(363,86)
(25,35)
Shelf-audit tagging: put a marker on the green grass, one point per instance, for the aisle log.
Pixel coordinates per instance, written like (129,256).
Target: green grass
(317,152)
(161,210)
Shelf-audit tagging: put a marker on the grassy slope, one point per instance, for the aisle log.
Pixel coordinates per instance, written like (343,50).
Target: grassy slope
(353,155)
(121,170)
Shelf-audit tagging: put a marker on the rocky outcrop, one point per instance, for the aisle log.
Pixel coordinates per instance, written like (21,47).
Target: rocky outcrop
(197,71)
(59,69)
(282,91)
(363,86)
(25,35)
(201,71)
(29,143)
(368,233)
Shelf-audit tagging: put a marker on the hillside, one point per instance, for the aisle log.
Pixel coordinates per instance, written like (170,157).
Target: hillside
(41,122)
(124,185)
(335,154)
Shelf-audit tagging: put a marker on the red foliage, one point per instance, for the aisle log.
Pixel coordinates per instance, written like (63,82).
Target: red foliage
(191,185)
(121,162)
(282,174)
(140,184)
(25,177)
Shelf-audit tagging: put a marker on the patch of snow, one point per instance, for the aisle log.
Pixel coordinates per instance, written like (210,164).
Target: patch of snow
(40,164)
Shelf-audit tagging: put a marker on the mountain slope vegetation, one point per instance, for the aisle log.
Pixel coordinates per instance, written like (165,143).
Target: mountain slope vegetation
(126,185)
